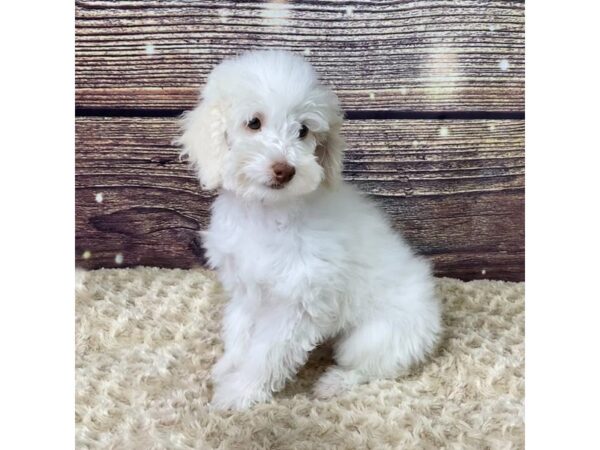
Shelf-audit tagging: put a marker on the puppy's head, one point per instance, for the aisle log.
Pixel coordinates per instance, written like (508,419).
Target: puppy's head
(265,128)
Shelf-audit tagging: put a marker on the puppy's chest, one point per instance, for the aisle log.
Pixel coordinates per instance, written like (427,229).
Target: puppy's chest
(272,251)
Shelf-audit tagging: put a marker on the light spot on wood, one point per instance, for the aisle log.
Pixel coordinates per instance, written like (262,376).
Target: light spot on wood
(99,197)
(492,127)
(86,255)
(224,15)
(415,143)
(483,271)
(403,91)
(276,14)
(503,64)
(371,95)
(349,10)
(150,49)
(444,131)
(443,74)
(119,258)
(307,52)
(492,27)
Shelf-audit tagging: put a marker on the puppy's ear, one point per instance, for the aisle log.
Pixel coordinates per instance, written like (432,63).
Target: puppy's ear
(204,141)
(330,153)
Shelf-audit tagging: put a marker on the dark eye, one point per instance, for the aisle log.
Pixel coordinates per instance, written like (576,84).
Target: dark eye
(303,132)
(254,123)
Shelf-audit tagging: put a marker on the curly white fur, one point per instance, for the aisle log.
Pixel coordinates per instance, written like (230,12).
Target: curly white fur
(309,261)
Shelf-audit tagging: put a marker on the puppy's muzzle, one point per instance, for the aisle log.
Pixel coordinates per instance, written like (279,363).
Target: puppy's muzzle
(282,174)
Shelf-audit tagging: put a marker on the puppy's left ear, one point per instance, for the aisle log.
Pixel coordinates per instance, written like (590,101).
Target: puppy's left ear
(329,152)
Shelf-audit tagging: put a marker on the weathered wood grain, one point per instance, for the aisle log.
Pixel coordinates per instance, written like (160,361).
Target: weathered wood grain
(430,55)
(455,188)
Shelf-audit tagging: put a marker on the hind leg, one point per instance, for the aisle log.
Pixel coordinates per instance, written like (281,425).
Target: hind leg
(383,347)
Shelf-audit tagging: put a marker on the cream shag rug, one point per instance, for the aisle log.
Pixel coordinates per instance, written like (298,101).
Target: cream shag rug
(147,337)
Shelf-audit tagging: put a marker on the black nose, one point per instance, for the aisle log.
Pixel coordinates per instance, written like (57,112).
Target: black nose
(283,172)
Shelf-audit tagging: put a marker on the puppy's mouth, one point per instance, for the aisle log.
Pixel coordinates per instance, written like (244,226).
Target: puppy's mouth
(277,186)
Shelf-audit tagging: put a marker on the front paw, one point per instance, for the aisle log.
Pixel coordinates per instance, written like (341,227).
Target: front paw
(235,393)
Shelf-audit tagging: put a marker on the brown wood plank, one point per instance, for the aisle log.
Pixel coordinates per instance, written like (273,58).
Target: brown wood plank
(431,55)
(455,188)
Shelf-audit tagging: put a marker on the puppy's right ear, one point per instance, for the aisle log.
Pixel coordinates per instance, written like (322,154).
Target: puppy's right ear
(204,141)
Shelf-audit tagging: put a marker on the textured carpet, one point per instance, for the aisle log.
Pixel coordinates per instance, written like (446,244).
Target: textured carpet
(146,339)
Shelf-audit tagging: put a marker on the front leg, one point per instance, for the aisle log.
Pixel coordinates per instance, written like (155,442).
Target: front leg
(236,332)
(279,344)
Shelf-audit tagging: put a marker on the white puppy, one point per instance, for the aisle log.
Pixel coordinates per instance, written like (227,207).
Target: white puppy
(302,255)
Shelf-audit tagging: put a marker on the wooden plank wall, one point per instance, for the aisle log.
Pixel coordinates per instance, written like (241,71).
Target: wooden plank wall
(433,92)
